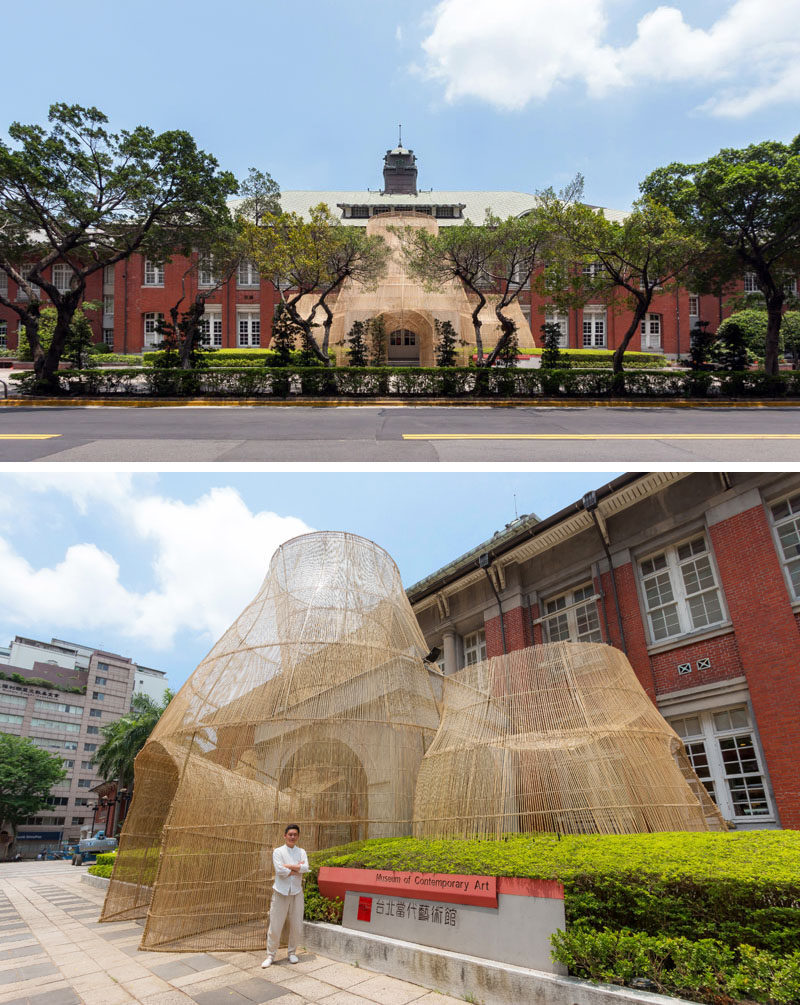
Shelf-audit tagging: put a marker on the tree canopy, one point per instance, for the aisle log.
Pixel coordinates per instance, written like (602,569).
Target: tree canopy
(124,738)
(311,259)
(84,197)
(27,774)
(593,257)
(744,205)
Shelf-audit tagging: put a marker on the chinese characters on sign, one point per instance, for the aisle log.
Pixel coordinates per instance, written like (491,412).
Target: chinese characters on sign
(433,914)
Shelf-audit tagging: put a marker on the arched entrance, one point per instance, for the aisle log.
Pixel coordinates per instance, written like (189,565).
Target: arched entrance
(403,347)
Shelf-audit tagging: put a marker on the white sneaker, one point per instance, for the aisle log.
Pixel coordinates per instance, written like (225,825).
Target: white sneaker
(267,962)
(293,958)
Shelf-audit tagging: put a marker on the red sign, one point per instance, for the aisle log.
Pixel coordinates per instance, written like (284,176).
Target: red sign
(478,890)
(364,909)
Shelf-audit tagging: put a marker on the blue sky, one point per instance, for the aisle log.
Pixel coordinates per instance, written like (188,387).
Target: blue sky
(156,566)
(493,94)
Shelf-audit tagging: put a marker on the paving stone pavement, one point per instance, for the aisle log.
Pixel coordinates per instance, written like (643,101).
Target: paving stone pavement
(53,951)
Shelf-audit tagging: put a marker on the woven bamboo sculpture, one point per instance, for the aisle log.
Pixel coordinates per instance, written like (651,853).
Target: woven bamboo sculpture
(316,707)
(560,738)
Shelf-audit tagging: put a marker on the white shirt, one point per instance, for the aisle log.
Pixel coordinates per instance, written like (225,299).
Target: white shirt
(287,882)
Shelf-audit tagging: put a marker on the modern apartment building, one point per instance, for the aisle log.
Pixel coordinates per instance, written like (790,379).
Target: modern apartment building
(696,575)
(60,694)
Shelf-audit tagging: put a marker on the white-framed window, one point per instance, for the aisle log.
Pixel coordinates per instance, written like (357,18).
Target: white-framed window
(680,590)
(594,327)
(211,329)
(153,273)
(562,320)
(108,304)
(14,699)
(52,706)
(9,719)
(54,724)
(751,283)
(786,521)
(247,276)
(205,271)
(724,753)
(572,616)
(694,305)
(3,284)
(108,336)
(474,648)
(61,277)
(108,276)
(22,293)
(592,270)
(3,334)
(651,331)
(790,286)
(248,327)
(152,320)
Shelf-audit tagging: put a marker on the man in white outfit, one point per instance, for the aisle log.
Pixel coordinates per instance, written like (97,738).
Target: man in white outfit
(290,863)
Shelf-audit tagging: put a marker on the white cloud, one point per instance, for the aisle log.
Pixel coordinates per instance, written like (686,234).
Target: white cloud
(512,52)
(211,556)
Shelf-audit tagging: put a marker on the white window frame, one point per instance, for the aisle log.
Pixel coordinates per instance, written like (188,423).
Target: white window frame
(592,269)
(474,647)
(108,276)
(680,598)
(694,301)
(247,276)
(153,273)
(248,329)
(3,283)
(206,276)
(651,329)
(572,616)
(594,327)
(60,277)
(150,321)
(790,286)
(211,328)
(22,293)
(3,334)
(560,318)
(789,526)
(707,738)
(108,305)
(751,283)
(108,336)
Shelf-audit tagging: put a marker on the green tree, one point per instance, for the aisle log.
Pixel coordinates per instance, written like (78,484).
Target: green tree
(700,346)
(729,349)
(80,196)
(79,341)
(753,325)
(284,335)
(310,260)
(623,263)
(497,258)
(552,357)
(124,738)
(260,196)
(743,204)
(27,774)
(376,333)
(445,347)
(356,345)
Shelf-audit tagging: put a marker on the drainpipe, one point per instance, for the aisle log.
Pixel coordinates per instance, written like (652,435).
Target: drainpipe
(589,502)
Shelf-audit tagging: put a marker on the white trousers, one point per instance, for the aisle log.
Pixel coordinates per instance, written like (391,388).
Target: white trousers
(285,906)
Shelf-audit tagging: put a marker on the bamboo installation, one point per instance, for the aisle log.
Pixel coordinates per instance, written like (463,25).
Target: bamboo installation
(560,738)
(314,707)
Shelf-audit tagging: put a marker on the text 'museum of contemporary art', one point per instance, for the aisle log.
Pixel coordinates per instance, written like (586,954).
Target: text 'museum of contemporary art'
(317,705)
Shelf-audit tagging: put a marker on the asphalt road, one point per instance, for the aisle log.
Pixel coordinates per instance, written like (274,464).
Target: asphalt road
(352,434)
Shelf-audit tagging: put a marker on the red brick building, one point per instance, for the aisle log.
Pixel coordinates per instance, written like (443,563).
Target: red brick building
(136,292)
(697,577)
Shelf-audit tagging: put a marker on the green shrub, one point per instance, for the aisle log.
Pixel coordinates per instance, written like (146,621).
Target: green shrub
(704,970)
(106,857)
(101,870)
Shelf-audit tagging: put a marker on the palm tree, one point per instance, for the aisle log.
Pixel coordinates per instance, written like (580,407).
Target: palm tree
(126,737)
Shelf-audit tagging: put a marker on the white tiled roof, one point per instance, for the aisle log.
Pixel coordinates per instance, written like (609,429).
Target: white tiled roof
(502,204)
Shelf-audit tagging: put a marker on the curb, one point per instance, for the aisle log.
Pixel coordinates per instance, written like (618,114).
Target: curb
(398,403)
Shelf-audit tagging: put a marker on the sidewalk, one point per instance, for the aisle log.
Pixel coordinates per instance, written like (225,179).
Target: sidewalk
(54,952)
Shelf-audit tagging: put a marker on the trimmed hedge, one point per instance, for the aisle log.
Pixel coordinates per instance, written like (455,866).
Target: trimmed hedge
(604,357)
(419,382)
(735,887)
(104,865)
(704,970)
(234,357)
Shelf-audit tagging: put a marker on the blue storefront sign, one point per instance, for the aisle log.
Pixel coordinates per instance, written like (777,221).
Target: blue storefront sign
(39,836)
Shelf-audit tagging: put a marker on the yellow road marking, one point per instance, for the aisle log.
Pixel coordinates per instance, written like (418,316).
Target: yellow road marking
(28,436)
(601,436)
